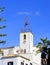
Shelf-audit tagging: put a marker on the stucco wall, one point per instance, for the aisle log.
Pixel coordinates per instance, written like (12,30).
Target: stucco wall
(15,60)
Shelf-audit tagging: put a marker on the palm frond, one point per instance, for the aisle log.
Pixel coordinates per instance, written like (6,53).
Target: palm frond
(2,9)
(1,27)
(48,42)
(2,41)
(3,35)
(38,51)
(44,41)
(39,45)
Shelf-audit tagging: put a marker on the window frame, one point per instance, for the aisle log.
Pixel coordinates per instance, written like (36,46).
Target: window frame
(9,63)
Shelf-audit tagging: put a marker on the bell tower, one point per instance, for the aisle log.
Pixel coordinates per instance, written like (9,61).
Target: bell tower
(26,38)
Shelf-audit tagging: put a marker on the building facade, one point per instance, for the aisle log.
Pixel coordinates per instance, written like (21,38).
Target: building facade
(25,54)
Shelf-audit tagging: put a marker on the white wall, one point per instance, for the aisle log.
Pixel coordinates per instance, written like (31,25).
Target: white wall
(23,60)
(15,60)
(15,49)
(37,58)
(29,41)
(6,60)
(7,51)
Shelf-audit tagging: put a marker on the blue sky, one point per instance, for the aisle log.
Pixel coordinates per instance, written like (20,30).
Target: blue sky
(38,12)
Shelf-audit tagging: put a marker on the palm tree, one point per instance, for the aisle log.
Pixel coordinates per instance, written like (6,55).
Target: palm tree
(38,46)
(2,26)
(2,20)
(48,60)
(43,49)
(43,44)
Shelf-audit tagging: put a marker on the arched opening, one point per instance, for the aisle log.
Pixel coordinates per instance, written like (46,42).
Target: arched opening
(24,36)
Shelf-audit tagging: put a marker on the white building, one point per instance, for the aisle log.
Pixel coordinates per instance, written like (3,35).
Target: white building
(25,54)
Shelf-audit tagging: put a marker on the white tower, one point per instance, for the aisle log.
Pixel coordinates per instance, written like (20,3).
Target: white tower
(26,39)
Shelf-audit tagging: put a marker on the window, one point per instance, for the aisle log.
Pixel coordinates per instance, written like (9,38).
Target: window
(22,63)
(2,54)
(30,63)
(24,50)
(24,36)
(10,63)
(26,64)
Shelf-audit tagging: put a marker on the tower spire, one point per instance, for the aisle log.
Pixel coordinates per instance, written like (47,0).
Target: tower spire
(26,27)
(26,21)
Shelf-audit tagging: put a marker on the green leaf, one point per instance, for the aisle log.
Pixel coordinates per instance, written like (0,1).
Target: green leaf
(0,19)
(48,42)
(4,26)
(1,27)
(3,35)
(2,9)
(44,41)
(39,45)
(38,51)
(2,41)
